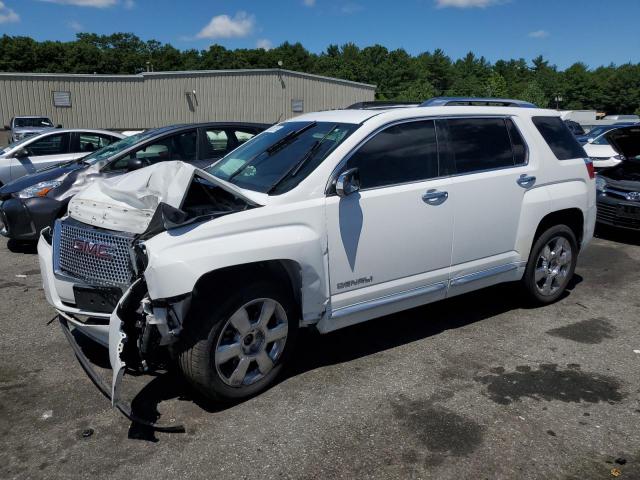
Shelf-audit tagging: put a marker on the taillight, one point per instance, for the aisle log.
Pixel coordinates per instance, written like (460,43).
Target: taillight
(590,169)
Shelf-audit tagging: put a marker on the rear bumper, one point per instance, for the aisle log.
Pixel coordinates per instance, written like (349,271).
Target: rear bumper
(609,213)
(24,219)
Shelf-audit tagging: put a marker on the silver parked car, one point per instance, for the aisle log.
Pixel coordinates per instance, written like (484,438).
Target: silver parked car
(51,147)
(26,126)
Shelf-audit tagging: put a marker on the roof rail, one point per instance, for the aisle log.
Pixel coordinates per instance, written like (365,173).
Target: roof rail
(476,101)
(381,104)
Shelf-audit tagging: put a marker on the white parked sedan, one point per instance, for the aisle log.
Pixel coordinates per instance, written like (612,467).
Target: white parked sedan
(51,147)
(601,153)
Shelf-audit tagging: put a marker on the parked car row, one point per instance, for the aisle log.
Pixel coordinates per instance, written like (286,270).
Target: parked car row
(33,202)
(209,246)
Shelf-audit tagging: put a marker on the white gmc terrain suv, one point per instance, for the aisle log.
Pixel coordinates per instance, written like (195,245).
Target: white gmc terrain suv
(324,221)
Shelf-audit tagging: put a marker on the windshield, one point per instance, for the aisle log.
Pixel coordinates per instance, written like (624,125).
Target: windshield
(117,147)
(279,158)
(601,138)
(32,122)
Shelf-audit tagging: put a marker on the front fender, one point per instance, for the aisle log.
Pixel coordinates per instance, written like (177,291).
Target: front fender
(175,266)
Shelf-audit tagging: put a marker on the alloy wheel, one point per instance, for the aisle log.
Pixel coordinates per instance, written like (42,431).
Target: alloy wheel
(251,342)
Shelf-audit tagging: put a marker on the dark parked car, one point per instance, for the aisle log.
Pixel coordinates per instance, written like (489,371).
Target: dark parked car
(619,187)
(33,202)
(595,132)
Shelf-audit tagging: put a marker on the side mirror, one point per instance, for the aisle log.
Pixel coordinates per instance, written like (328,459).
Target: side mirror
(21,153)
(59,125)
(134,164)
(590,140)
(348,182)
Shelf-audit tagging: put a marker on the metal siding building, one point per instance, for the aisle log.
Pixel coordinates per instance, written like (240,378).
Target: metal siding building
(162,98)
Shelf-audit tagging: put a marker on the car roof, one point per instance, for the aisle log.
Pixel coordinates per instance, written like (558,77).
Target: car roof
(361,116)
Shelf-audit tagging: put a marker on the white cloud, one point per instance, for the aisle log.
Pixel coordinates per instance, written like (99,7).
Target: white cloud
(76,26)
(350,8)
(309,3)
(129,4)
(539,34)
(264,44)
(85,3)
(7,15)
(467,3)
(223,26)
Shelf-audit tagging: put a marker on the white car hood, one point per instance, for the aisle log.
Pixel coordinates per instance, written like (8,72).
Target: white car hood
(128,202)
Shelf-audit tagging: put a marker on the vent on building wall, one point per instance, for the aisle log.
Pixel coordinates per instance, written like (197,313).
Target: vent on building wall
(297,106)
(62,99)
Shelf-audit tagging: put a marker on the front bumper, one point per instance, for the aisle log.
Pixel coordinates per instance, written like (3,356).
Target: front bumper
(618,213)
(59,293)
(24,219)
(109,393)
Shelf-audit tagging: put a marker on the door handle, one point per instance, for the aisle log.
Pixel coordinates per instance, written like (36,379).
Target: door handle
(526,181)
(434,197)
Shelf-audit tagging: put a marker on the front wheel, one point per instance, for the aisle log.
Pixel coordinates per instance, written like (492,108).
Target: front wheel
(239,344)
(551,264)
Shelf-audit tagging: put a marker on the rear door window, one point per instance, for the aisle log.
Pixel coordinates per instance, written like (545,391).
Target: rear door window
(403,153)
(517,143)
(90,142)
(477,144)
(49,145)
(561,141)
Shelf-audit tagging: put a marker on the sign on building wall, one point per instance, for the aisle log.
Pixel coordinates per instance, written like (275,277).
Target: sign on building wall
(297,106)
(62,99)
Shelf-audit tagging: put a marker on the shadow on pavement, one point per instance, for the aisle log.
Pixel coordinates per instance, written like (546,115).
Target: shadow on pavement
(315,351)
(17,246)
(619,235)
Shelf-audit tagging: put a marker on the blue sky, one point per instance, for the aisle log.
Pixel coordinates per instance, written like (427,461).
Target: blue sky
(597,32)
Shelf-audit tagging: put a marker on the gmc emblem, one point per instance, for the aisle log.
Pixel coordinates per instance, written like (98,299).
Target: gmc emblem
(94,249)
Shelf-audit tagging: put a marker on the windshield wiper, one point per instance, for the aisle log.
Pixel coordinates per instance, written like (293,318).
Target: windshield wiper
(293,171)
(273,148)
(289,137)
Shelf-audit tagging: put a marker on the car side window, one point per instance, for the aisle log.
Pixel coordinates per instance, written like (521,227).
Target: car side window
(176,147)
(517,143)
(90,142)
(216,143)
(243,136)
(49,145)
(403,153)
(477,144)
(560,140)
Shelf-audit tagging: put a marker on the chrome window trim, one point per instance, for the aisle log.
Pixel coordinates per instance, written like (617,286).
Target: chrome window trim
(330,190)
(386,300)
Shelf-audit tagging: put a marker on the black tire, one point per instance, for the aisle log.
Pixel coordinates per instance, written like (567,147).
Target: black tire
(532,287)
(209,320)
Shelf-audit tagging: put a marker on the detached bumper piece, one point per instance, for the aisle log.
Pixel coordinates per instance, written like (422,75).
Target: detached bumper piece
(105,389)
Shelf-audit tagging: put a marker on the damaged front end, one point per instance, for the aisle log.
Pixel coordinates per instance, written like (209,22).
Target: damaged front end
(141,332)
(104,239)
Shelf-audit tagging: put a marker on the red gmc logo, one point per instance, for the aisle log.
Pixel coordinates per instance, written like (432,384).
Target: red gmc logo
(91,248)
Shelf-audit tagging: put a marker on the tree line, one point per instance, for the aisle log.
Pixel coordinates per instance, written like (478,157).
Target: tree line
(397,74)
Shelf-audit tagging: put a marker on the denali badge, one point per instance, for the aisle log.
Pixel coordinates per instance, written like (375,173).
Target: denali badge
(355,283)
(94,249)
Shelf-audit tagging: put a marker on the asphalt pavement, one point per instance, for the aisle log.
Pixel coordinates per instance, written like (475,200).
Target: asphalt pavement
(479,386)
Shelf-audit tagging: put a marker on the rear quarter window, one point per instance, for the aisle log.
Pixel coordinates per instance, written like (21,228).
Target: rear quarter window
(559,138)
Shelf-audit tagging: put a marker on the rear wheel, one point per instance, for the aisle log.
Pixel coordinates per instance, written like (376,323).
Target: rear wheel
(239,344)
(551,264)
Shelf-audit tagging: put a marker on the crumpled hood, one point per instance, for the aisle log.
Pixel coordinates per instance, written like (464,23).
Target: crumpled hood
(625,140)
(128,202)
